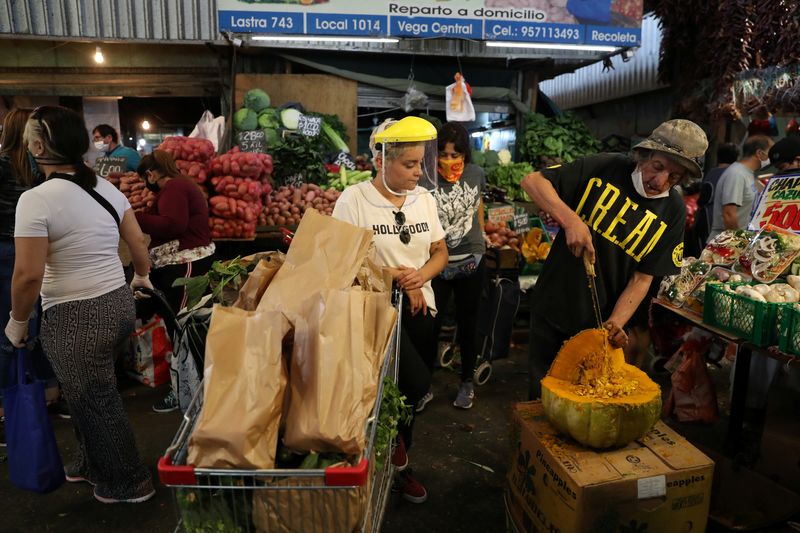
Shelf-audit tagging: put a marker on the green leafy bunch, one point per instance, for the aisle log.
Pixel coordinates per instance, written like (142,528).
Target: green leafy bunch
(509,178)
(222,275)
(394,411)
(298,154)
(559,139)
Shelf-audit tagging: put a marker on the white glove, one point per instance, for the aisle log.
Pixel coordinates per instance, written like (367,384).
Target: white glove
(141,282)
(16,331)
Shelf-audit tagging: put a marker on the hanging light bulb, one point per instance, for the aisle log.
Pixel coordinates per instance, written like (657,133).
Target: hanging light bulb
(145,125)
(98,55)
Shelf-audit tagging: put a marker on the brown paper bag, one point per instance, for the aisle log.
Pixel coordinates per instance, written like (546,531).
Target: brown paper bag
(259,279)
(339,344)
(245,379)
(325,254)
(301,510)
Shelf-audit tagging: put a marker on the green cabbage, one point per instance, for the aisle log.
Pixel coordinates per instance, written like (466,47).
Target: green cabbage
(256,99)
(290,118)
(268,119)
(245,120)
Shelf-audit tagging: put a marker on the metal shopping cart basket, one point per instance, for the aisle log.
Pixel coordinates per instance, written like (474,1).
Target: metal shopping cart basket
(350,498)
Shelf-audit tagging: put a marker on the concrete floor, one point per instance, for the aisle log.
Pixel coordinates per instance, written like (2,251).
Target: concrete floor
(460,456)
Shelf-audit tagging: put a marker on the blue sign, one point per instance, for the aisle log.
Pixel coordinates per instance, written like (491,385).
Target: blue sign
(334,24)
(436,27)
(595,22)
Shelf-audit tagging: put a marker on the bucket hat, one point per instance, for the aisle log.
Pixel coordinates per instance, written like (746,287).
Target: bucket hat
(681,138)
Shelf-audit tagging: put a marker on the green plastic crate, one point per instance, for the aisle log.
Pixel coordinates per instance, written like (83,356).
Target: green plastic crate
(789,323)
(757,322)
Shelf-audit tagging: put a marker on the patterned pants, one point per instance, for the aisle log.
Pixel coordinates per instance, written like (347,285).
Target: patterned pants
(79,339)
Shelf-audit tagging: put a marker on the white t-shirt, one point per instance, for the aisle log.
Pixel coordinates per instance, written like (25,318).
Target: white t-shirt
(362,205)
(82,258)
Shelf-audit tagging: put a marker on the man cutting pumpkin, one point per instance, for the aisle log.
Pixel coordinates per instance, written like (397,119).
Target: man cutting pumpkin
(623,212)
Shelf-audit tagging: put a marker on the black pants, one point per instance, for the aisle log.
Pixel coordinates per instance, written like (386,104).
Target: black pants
(162,279)
(417,352)
(545,341)
(467,293)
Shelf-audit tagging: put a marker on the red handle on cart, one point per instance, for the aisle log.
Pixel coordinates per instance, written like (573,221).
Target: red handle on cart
(171,474)
(347,476)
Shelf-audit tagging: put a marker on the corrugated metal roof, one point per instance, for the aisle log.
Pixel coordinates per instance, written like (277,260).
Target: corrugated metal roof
(130,20)
(590,85)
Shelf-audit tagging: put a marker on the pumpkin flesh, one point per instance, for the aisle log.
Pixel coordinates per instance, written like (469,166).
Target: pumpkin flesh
(591,394)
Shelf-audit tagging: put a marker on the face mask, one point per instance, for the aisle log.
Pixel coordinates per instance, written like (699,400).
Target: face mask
(765,163)
(33,163)
(100,145)
(152,186)
(638,184)
(451,169)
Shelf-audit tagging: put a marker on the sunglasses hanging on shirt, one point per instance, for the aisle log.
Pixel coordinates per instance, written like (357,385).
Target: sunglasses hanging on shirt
(399,220)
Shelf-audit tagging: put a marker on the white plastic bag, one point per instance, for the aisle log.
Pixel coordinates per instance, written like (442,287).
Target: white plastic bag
(210,128)
(459,106)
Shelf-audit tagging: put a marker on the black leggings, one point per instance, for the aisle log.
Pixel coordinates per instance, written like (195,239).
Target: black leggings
(545,341)
(417,352)
(467,292)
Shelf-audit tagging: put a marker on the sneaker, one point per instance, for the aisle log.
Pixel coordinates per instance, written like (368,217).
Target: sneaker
(59,408)
(2,432)
(169,403)
(424,401)
(411,489)
(137,499)
(399,456)
(73,474)
(466,393)
(146,493)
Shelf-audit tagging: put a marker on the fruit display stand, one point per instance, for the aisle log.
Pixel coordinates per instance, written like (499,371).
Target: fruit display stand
(741,373)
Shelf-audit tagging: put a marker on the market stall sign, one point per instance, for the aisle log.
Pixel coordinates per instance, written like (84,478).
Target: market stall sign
(106,165)
(346,160)
(309,126)
(574,22)
(779,204)
(252,141)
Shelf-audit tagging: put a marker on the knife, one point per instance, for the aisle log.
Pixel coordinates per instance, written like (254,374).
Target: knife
(591,275)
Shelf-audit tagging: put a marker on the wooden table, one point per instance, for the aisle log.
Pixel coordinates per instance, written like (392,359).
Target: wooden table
(741,372)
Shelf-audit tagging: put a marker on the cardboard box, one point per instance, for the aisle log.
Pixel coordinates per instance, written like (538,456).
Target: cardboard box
(497,212)
(658,484)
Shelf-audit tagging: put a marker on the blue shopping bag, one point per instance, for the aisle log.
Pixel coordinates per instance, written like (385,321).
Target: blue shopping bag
(590,11)
(33,460)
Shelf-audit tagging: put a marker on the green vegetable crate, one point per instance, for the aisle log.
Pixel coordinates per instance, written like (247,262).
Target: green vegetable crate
(741,316)
(789,323)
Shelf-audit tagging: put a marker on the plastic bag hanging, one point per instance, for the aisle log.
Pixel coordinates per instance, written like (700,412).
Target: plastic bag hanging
(406,154)
(459,106)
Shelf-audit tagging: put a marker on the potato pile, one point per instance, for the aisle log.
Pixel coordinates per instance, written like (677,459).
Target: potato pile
(241,181)
(500,235)
(134,190)
(191,155)
(285,206)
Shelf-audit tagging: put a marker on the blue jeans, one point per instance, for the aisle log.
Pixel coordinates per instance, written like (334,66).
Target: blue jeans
(41,366)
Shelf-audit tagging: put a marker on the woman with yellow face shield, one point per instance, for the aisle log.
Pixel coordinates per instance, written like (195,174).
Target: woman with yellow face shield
(459,195)
(399,207)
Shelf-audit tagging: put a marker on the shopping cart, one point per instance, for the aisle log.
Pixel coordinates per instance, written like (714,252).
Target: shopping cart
(350,498)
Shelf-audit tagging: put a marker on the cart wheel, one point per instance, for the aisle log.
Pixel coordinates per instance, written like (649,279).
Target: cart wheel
(483,373)
(447,356)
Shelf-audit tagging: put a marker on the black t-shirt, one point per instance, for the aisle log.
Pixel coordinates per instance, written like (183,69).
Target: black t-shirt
(630,233)
(10,192)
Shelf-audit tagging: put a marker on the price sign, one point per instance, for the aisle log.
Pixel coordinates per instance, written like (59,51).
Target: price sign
(295,180)
(104,166)
(779,205)
(309,126)
(252,141)
(522,223)
(346,160)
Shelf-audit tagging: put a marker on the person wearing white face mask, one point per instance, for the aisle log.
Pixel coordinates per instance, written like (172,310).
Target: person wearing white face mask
(623,212)
(106,140)
(736,188)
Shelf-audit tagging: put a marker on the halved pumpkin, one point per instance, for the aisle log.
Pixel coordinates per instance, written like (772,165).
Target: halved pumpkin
(594,396)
